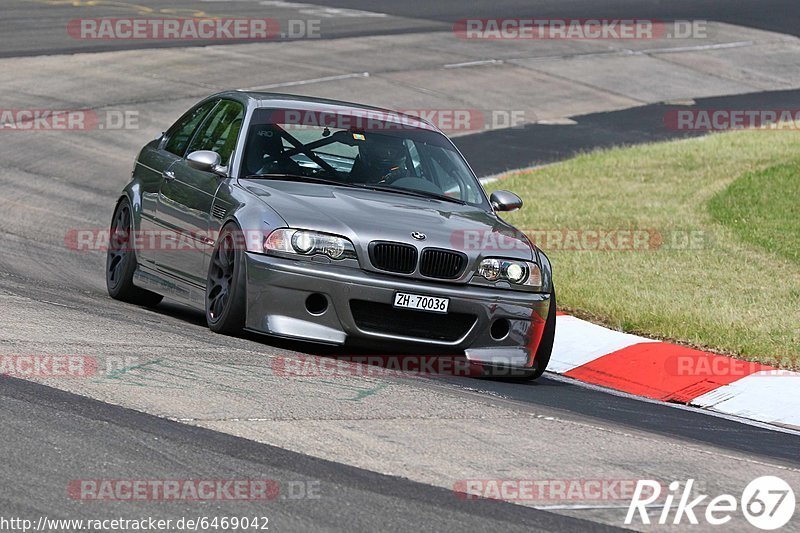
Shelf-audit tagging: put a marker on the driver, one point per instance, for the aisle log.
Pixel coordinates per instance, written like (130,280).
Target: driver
(380,158)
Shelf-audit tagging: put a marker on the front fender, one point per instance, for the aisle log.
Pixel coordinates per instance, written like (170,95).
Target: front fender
(250,213)
(547,269)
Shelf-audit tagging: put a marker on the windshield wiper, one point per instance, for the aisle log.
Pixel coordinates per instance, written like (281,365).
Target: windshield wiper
(299,177)
(412,192)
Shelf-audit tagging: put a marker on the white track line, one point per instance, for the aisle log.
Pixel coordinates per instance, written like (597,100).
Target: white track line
(309,81)
(475,63)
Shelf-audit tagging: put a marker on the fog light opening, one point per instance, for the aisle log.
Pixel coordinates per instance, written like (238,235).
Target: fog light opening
(500,329)
(316,304)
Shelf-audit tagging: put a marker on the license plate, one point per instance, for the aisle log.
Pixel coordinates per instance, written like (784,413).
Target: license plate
(421,303)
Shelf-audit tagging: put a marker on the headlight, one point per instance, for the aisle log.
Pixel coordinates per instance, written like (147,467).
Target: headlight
(516,272)
(490,269)
(304,242)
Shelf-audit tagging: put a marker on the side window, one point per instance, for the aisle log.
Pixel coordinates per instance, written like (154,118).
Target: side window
(181,132)
(220,130)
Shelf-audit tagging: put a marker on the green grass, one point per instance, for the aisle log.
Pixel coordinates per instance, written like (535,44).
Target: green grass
(734,290)
(764,208)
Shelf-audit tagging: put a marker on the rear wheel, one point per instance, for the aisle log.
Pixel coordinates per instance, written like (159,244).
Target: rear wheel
(121,261)
(225,288)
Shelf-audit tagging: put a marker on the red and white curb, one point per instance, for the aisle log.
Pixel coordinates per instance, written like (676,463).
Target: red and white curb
(673,373)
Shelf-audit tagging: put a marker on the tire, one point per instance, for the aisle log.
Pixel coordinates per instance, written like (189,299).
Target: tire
(543,353)
(121,261)
(226,287)
(545,349)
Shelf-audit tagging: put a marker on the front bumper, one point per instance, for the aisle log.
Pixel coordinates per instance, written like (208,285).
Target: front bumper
(278,288)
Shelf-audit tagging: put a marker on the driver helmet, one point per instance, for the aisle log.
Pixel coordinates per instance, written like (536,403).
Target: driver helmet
(382,155)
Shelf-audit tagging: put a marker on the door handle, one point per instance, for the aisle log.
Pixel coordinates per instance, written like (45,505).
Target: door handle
(169,175)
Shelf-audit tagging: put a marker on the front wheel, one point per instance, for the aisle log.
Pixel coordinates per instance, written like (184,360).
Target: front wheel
(121,261)
(545,349)
(226,287)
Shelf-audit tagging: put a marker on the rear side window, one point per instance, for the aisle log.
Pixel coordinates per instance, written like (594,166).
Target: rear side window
(179,135)
(220,130)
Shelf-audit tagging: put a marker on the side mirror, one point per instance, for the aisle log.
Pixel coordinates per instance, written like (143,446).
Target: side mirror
(206,161)
(505,201)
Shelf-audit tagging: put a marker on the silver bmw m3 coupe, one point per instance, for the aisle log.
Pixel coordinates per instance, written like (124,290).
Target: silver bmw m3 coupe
(331,222)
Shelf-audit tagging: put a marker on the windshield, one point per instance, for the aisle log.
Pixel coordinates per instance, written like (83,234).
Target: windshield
(354,150)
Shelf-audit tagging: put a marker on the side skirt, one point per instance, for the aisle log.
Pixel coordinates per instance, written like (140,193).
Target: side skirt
(170,287)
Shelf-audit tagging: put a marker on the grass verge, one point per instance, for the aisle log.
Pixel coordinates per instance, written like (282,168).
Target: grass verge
(720,269)
(763,208)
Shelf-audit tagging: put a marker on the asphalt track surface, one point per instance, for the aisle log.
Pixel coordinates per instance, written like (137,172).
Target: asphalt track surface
(48,436)
(33,27)
(535,144)
(135,445)
(773,15)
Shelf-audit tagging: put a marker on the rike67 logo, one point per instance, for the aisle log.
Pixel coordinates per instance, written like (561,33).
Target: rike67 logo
(767,502)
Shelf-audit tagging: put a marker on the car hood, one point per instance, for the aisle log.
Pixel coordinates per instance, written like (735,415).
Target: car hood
(364,216)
